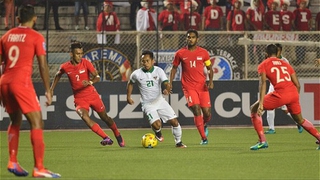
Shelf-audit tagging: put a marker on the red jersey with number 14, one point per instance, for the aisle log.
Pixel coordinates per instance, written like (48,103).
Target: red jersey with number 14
(18,48)
(192,63)
(279,74)
(77,74)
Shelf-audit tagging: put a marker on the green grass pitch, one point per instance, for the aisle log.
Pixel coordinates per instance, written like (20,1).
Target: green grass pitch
(78,154)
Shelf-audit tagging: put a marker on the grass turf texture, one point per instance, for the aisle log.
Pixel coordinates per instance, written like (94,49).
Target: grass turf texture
(79,155)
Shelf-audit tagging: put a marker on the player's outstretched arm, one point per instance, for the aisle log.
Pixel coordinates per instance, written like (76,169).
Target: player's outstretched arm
(44,72)
(172,75)
(55,81)
(129,92)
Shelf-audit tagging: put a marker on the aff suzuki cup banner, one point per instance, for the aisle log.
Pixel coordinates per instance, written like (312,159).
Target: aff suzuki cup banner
(230,100)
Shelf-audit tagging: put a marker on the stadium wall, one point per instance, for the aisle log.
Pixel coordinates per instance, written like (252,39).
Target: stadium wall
(231,102)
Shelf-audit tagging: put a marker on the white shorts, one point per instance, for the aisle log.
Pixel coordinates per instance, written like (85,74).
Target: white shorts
(271,89)
(158,109)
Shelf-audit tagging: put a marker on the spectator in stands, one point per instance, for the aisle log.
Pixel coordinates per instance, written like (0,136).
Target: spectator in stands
(169,18)
(303,22)
(272,17)
(287,17)
(108,21)
(184,5)
(236,19)
(134,5)
(84,4)
(55,7)
(191,18)
(146,17)
(9,14)
(212,17)
(255,22)
(254,15)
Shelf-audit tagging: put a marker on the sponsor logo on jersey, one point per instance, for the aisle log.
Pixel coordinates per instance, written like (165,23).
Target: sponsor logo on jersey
(199,58)
(82,71)
(110,63)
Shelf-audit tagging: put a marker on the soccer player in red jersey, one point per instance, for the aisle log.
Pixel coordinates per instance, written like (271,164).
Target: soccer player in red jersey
(286,92)
(287,17)
(79,70)
(17,50)
(273,17)
(193,59)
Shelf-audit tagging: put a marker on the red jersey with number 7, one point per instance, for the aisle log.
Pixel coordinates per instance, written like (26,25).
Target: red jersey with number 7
(18,48)
(279,74)
(192,63)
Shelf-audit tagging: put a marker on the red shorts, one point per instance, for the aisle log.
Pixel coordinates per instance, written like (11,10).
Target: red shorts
(274,100)
(94,101)
(18,97)
(196,96)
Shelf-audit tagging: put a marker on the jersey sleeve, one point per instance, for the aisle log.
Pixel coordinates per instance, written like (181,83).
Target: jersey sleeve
(62,69)
(90,66)
(176,60)
(133,77)
(40,46)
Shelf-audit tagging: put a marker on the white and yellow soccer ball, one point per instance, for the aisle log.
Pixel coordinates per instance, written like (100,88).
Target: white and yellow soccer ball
(149,140)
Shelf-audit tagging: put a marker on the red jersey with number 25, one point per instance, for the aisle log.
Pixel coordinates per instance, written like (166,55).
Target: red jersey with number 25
(192,63)
(278,72)
(18,48)
(77,74)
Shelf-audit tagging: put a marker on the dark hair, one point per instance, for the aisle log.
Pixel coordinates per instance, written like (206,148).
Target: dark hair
(75,45)
(147,52)
(26,13)
(279,46)
(193,31)
(271,49)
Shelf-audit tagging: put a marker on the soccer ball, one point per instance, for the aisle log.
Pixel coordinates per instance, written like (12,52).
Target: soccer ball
(149,140)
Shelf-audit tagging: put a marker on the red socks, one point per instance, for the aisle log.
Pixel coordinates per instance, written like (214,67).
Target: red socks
(36,137)
(308,126)
(257,124)
(115,130)
(97,129)
(13,142)
(198,121)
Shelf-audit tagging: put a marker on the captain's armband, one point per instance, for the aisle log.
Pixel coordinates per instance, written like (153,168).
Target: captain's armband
(207,62)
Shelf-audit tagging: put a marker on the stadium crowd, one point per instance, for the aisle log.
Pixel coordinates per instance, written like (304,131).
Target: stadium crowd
(208,15)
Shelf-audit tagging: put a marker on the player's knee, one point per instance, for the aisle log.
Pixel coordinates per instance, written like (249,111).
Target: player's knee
(174,122)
